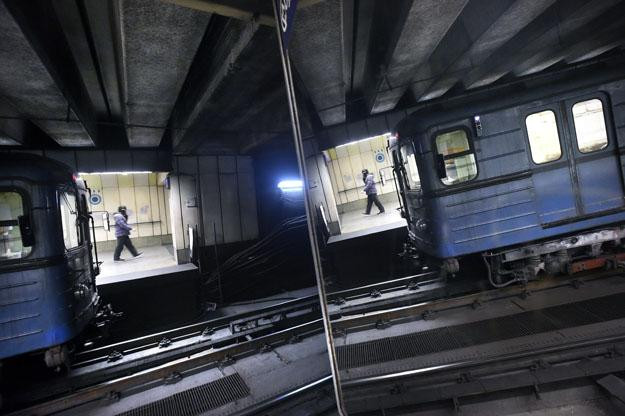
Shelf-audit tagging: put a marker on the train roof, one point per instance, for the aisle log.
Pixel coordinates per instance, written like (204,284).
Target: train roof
(34,167)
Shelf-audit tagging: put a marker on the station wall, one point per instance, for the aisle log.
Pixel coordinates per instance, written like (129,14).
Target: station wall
(147,202)
(345,164)
(320,186)
(215,195)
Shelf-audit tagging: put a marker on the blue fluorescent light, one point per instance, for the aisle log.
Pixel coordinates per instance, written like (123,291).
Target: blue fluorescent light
(291,185)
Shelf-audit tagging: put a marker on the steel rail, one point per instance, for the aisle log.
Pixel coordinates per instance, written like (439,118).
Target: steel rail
(202,359)
(417,310)
(478,381)
(481,361)
(382,286)
(151,340)
(176,350)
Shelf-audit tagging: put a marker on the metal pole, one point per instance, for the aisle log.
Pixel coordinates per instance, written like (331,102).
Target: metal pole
(312,232)
(221,295)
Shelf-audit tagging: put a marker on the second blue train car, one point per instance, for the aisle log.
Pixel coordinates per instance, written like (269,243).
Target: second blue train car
(530,177)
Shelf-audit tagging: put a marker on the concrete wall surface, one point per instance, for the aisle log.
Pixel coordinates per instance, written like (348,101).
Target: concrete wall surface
(216,196)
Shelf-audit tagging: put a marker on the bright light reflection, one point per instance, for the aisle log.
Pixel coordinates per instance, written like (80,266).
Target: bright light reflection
(387,135)
(291,185)
(114,173)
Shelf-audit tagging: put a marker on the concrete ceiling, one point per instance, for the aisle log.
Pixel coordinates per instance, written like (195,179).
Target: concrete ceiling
(205,76)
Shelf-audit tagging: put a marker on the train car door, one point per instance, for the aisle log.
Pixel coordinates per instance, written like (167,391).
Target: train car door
(409,182)
(593,160)
(551,175)
(76,249)
(576,170)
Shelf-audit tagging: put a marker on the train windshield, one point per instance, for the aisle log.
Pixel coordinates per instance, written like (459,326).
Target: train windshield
(458,155)
(11,208)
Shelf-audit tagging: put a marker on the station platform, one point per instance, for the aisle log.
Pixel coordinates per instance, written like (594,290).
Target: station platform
(368,255)
(391,225)
(152,299)
(354,223)
(152,258)
(157,299)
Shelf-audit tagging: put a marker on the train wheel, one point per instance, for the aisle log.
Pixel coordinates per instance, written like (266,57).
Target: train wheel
(57,357)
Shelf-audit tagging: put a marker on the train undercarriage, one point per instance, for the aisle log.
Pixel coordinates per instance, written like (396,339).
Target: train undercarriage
(597,249)
(569,255)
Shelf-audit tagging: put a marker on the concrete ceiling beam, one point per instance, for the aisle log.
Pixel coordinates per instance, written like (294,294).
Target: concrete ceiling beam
(225,10)
(39,76)
(543,32)
(261,10)
(218,61)
(591,49)
(17,130)
(363,30)
(79,42)
(584,32)
(158,44)
(415,29)
(104,24)
(316,51)
(481,26)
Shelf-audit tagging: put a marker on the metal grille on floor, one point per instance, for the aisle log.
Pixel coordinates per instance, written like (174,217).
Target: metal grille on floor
(481,332)
(196,400)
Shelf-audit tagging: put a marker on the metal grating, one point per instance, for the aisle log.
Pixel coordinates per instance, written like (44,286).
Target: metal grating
(482,332)
(196,400)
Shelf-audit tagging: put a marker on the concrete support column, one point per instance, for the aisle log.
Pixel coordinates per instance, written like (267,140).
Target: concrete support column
(320,186)
(215,195)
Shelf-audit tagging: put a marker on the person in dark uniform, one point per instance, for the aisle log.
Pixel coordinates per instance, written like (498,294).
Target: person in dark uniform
(372,192)
(122,232)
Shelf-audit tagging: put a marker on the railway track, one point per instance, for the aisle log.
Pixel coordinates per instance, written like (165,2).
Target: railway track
(523,377)
(104,371)
(398,308)
(99,371)
(445,354)
(81,390)
(108,370)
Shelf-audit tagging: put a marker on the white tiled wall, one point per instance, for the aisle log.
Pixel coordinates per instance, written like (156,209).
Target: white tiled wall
(144,196)
(346,163)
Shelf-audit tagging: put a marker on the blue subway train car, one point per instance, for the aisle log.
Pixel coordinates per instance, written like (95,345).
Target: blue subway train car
(47,270)
(530,176)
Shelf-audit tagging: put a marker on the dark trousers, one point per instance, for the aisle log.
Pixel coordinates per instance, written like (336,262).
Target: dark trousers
(122,241)
(373,199)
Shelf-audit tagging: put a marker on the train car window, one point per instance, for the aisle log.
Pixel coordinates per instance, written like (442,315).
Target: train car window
(542,132)
(69,220)
(11,208)
(590,126)
(410,167)
(459,159)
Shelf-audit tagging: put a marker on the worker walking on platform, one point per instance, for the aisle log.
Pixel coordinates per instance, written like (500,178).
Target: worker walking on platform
(372,192)
(122,232)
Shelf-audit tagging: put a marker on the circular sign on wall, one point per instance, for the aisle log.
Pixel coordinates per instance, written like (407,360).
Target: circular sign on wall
(379,157)
(95,199)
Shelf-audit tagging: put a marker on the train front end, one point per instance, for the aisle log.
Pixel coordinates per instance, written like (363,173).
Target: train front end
(47,273)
